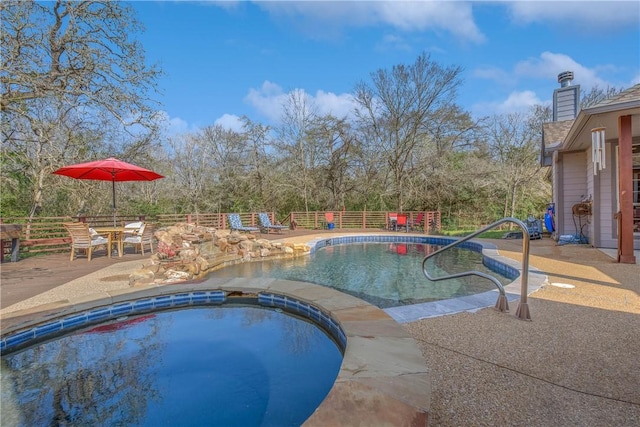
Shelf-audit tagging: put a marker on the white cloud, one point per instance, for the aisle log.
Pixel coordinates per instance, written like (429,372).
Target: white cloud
(538,76)
(328,19)
(269,100)
(336,105)
(550,64)
(585,16)
(229,122)
(495,74)
(172,125)
(517,101)
(392,42)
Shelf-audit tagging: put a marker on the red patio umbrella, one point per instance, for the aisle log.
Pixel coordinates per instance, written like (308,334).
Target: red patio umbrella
(108,170)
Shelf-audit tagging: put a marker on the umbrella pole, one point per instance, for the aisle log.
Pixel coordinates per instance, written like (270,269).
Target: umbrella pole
(113,188)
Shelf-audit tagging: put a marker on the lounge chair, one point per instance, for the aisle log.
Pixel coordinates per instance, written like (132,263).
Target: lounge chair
(83,237)
(267,226)
(143,236)
(235,223)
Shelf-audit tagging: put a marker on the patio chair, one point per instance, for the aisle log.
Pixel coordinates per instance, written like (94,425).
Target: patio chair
(534,227)
(82,237)
(143,236)
(266,225)
(235,223)
(418,222)
(402,222)
(133,228)
(329,223)
(393,221)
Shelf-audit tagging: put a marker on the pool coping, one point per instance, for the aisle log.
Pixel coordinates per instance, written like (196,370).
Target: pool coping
(383,377)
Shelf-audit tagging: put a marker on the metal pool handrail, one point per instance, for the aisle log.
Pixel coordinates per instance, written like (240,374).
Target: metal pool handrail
(502,304)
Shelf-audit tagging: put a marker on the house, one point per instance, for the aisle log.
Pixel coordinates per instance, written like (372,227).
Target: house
(594,155)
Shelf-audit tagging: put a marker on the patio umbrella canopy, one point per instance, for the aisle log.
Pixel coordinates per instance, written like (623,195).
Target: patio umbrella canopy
(108,170)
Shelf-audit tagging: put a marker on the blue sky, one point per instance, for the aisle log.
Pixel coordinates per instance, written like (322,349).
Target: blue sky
(226,59)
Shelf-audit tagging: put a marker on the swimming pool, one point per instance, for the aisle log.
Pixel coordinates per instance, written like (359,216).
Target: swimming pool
(385,271)
(237,364)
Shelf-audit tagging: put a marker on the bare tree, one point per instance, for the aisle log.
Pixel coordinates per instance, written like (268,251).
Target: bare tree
(338,143)
(597,95)
(259,165)
(76,66)
(400,107)
(293,138)
(515,140)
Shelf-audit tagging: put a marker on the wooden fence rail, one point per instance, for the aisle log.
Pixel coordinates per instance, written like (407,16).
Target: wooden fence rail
(47,234)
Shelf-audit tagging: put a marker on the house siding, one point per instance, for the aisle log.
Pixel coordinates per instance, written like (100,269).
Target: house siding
(602,186)
(574,190)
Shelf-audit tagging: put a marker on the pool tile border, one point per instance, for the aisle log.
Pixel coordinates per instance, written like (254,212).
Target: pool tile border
(79,320)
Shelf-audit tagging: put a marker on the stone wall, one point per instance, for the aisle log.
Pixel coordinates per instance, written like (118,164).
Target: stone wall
(187,252)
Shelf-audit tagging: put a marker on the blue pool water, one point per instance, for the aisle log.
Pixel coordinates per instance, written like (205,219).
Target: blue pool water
(383,274)
(223,365)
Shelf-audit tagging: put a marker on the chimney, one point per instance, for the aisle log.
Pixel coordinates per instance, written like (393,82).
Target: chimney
(566,100)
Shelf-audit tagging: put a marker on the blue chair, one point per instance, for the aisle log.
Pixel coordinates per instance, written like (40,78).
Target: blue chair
(266,225)
(235,223)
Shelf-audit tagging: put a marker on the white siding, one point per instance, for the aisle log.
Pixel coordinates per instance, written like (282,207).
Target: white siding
(606,237)
(591,229)
(574,189)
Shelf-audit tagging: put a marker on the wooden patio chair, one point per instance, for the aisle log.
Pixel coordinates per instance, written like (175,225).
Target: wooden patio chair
(144,236)
(82,237)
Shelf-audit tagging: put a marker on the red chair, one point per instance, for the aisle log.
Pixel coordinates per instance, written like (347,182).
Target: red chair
(402,222)
(418,222)
(329,221)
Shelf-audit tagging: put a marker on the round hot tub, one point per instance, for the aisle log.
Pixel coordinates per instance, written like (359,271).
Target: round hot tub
(231,361)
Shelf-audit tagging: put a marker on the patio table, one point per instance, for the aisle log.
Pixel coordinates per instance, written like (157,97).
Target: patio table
(113,234)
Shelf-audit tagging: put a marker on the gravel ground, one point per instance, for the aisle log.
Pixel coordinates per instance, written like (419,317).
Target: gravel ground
(576,363)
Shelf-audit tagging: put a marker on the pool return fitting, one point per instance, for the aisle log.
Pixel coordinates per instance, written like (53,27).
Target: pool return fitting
(522,312)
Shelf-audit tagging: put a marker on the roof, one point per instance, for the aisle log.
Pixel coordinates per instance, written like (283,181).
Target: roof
(630,96)
(554,133)
(576,134)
